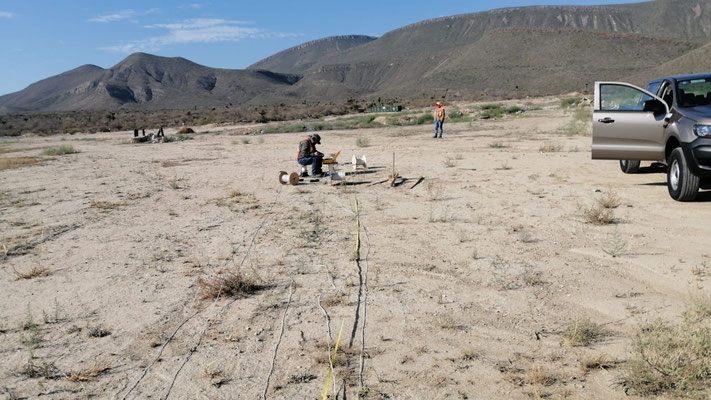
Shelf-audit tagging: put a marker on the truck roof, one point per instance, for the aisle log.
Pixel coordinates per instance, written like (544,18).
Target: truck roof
(683,77)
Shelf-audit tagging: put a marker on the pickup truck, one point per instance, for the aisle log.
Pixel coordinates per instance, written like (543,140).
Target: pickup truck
(668,122)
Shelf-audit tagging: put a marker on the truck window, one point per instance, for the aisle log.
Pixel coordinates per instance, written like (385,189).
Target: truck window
(614,97)
(694,93)
(653,87)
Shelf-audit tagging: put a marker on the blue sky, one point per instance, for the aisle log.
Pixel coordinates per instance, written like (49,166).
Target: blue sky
(39,39)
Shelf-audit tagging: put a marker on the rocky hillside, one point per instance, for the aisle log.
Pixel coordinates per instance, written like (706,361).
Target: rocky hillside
(147,81)
(540,50)
(512,52)
(300,58)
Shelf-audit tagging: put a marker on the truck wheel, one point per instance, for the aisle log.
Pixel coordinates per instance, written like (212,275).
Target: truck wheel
(683,185)
(629,166)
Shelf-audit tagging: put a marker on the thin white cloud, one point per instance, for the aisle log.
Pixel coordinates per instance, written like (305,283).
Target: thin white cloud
(121,15)
(197,31)
(5,14)
(198,23)
(193,6)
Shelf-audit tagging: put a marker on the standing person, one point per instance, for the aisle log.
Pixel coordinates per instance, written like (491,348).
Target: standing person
(308,154)
(439,119)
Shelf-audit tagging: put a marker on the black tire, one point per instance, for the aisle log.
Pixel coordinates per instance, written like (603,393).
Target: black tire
(683,185)
(629,166)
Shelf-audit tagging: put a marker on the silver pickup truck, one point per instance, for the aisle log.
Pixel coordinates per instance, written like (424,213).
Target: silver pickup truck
(669,122)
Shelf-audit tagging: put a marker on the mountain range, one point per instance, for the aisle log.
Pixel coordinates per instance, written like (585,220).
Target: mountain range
(511,52)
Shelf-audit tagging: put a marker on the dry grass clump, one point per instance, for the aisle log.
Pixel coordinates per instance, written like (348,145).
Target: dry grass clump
(609,200)
(339,298)
(450,323)
(229,284)
(60,151)
(583,332)
(168,164)
(107,205)
(362,141)
(34,272)
(597,361)
(617,245)
(435,190)
(45,370)
(88,374)
(550,148)
(98,332)
(673,358)
(215,375)
(498,145)
(17,162)
(540,376)
(301,378)
(598,215)
(450,162)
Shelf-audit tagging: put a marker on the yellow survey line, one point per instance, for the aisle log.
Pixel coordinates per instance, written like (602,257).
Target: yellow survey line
(333,360)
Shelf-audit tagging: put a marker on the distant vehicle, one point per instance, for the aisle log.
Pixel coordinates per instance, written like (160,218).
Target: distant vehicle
(669,122)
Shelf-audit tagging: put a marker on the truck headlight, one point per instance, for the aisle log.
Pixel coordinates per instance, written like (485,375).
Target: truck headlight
(702,130)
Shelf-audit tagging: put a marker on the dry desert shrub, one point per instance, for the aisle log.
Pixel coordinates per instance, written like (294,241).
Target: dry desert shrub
(435,190)
(609,200)
(168,164)
(229,284)
(87,374)
(17,162)
(504,166)
(540,376)
(362,141)
(301,378)
(673,357)
(583,332)
(450,162)
(32,369)
(450,323)
(550,148)
(335,299)
(617,245)
(98,332)
(215,375)
(598,215)
(590,362)
(107,205)
(34,272)
(60,151)
(498,145)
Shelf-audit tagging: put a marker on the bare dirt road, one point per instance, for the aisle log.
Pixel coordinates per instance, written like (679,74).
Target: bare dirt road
(467,286)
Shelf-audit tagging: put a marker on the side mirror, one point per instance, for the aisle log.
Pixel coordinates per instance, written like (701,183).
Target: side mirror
(655,106)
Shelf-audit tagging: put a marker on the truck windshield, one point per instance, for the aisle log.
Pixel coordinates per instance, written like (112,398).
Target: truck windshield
(694,92)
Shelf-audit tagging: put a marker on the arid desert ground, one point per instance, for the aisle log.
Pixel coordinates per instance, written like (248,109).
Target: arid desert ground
(487,280)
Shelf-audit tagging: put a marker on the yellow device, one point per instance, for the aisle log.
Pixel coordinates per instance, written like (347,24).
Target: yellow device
(331,159)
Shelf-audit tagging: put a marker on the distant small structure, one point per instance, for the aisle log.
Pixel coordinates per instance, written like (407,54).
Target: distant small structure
(375,109)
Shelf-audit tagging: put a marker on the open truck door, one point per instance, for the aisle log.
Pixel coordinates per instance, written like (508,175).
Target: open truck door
(628,123)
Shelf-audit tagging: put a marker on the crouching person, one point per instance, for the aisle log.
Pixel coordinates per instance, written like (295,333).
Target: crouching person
(308,155)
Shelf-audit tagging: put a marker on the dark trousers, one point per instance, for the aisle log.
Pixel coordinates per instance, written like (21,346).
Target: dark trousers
(315,162)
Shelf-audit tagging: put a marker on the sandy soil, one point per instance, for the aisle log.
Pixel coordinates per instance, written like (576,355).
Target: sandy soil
(464,286)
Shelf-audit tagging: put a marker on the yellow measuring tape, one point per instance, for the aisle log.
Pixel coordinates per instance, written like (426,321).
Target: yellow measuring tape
(333,360)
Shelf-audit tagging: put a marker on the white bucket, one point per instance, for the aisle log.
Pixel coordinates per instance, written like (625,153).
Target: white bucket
(338,176)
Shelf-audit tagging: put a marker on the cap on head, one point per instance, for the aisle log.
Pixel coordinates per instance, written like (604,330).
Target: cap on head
(438,104)
(316,138)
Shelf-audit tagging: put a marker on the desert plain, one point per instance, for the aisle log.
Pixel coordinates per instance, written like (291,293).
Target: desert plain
(517,267)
